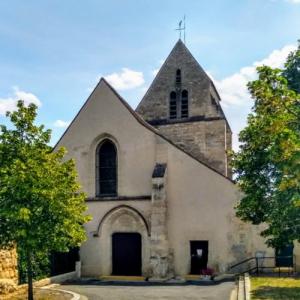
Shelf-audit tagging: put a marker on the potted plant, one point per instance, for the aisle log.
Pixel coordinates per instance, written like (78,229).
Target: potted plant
(207,273)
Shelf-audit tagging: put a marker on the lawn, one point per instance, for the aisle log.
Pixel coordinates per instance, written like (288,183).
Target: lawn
(275,288)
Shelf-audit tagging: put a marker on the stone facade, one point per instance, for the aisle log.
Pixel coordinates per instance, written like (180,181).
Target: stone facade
(204,140)
(205,133)
(8,265)
(161,259)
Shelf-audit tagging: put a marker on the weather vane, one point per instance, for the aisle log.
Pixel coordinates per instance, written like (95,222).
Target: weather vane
(181,27)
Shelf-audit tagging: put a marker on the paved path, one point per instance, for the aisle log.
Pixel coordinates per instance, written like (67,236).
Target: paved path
(189,292)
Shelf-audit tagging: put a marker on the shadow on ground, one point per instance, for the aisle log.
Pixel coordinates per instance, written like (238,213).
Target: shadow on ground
(276,293)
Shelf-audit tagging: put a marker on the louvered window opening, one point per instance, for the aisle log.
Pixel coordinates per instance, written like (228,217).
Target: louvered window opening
(173,105)
(178,76)
(184,104)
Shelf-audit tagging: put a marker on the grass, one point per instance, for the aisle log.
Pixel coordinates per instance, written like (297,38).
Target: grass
(275,288)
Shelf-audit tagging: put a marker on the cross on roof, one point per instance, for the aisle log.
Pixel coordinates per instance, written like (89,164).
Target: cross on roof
(181,27)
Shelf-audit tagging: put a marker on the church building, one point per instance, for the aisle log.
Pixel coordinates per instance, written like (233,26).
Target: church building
(158,179)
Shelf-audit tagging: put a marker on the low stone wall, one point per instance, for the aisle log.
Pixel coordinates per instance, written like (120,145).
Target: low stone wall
(9,265)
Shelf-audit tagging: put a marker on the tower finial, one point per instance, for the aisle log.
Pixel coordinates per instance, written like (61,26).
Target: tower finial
(181,27)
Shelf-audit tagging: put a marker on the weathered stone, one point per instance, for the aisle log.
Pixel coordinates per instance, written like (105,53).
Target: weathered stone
(8,265)
(205,133)
(7,286)
(161,259)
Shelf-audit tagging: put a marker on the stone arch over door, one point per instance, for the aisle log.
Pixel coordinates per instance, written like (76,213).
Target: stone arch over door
(127,220)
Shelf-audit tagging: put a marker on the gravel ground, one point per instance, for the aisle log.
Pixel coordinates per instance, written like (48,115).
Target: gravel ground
(187,292)
(41,294)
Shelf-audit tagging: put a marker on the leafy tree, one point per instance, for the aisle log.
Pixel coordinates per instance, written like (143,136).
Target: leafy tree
(41,204)
(40,265)
(292,70)
(267,165)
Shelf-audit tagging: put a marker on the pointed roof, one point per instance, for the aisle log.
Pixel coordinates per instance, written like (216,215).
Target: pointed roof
(154,104)
(103,83)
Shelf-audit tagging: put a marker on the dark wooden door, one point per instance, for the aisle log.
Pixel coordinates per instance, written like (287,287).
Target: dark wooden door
(127,254)
(199,256)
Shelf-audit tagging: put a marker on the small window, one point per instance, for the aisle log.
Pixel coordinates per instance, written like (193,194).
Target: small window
(106,169)
(173,105)
(184,104)
(178,76)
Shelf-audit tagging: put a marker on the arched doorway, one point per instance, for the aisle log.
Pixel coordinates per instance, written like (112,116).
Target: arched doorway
(126,254)
(124,242)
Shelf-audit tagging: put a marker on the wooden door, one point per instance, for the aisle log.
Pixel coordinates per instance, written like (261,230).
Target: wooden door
(127,254)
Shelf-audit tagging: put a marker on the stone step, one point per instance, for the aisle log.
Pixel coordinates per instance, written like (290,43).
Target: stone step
(122,278)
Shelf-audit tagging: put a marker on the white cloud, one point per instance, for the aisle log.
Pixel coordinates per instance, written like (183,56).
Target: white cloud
(236,99)
(233,89)
(125,80)
(155,71)
(293,1)
(61,124)
(9,103)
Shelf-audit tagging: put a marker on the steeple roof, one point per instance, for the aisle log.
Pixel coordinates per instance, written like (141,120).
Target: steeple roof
(154,104)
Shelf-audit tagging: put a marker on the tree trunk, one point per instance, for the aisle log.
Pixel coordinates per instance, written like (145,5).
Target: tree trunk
(29,276)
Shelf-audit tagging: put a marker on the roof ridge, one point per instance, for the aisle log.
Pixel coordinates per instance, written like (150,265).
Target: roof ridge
(157,132)
(141,121)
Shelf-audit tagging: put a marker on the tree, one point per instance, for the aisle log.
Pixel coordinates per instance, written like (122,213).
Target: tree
(292,70)
(267,166)
(41,204)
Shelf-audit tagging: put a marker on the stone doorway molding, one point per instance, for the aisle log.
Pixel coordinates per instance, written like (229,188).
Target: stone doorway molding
(122,218)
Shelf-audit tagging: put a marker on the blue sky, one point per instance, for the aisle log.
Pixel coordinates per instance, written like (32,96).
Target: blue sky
(53,52)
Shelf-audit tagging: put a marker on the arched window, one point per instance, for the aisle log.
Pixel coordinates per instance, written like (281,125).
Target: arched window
(106,169)
(178,76)
(184,104)
(173,105)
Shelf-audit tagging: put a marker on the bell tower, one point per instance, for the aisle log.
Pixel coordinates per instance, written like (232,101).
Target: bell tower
(184,105)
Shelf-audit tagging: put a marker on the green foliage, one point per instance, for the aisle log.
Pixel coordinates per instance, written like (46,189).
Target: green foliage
(292,70)
(268,163)
(41,204)
(40,265)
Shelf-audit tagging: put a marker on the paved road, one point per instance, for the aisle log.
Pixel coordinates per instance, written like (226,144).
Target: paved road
(189,292)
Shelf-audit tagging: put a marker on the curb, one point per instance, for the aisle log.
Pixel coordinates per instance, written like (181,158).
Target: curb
(51,287)
(247,286)
(244,286)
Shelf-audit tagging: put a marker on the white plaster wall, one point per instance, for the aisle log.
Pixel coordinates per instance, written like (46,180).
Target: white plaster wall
(200,201)
(201,207)
(105,116)
(95,253)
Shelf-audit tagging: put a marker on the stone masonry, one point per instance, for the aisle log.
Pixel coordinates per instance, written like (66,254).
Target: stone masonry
(204,140)
(8,265)
(205,133)
(161,259)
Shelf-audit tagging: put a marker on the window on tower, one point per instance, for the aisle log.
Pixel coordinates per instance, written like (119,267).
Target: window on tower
(173,105)
(184,104)
(178,76)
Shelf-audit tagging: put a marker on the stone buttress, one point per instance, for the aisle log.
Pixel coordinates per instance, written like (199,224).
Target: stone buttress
(161,259)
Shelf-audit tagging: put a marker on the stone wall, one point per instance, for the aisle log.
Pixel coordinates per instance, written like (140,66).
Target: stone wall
(205,132)
(205,140)
(8,265)
(203,100)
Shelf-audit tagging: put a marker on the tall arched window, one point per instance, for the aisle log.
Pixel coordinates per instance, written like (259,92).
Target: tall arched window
(106,169)
(173,105)
(184,104)
(178,76)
